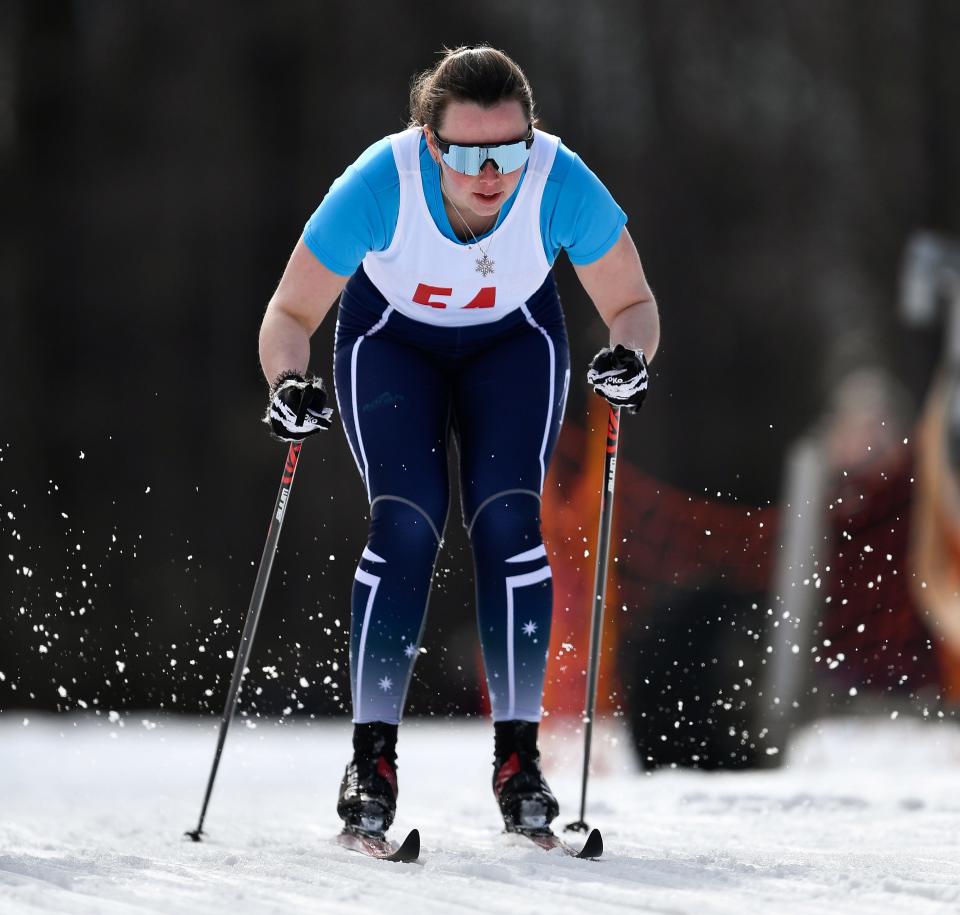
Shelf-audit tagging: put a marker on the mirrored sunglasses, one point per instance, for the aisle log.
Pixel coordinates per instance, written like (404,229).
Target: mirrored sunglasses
(469,160)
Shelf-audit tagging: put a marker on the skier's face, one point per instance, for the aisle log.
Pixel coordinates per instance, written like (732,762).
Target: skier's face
(479,197)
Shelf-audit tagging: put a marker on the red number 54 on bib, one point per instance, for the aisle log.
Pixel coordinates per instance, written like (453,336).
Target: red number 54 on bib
(485,298)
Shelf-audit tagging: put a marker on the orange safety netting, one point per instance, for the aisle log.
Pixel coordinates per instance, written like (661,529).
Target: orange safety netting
(870,622)
(665,537)
(872,616)
(662,536)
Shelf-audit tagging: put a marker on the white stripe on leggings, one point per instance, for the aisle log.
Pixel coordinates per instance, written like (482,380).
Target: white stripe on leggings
(373,582)
(513,582)
(550,395)
(535,553)
(353,393)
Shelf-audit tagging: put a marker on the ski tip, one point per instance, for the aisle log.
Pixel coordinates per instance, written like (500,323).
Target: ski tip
(409,849)
(376,845)
(593,847)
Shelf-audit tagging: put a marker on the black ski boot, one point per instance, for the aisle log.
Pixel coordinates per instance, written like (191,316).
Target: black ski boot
(525,798)
(368,792)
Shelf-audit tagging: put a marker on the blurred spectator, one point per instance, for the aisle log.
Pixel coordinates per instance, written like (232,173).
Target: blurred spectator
(866,420)
(935,546)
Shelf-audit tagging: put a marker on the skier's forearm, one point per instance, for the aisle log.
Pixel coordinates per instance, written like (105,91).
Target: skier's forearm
(284,344)
(306,292)
(637,326)
(619,290)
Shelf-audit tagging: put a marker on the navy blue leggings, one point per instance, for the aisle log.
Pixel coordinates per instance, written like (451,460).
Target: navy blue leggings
(404,388)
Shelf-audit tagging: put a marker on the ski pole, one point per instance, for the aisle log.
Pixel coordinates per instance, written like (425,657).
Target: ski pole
(599,593)
(253,617)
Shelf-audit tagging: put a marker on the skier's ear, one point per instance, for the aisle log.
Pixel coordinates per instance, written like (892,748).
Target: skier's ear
(431,143)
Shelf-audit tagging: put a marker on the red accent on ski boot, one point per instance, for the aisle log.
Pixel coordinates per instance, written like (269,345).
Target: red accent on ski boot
(368,793)
(523,795)
(502,775)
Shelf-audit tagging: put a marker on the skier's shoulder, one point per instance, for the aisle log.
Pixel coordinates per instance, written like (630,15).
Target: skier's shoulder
(359,212)
(375,169)
(578,213)
(570,175)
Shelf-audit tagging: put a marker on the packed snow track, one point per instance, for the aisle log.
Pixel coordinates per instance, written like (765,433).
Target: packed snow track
(864,818)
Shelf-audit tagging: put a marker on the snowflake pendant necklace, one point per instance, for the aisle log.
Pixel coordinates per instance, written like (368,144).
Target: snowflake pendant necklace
(484,264)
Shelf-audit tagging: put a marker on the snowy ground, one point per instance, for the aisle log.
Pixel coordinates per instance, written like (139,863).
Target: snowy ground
(865,819)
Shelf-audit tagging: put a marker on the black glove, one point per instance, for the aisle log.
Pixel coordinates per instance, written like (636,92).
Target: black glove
(297,407)
(620,376)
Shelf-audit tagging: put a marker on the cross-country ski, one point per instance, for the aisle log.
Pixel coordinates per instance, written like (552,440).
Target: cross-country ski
(377,846)
(548,840)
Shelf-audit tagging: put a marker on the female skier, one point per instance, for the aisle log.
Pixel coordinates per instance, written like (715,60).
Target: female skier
(440,241)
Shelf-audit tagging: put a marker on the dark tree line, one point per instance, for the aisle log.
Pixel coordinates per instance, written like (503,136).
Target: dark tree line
(159,161)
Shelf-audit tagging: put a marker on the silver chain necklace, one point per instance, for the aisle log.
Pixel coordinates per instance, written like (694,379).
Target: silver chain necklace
(484,264)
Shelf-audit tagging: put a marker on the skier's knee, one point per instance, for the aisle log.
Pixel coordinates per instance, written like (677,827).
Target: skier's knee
(401,531)
(508,524)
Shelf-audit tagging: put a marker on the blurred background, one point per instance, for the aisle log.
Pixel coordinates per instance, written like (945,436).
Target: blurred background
(787,523)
